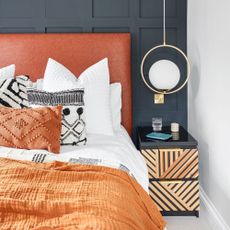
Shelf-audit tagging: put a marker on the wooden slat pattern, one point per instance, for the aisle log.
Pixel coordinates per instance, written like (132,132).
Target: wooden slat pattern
(151,161)
(173,168)
(171,196)
(172,163)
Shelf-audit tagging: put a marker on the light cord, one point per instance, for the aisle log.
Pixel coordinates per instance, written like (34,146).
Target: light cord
(164,22)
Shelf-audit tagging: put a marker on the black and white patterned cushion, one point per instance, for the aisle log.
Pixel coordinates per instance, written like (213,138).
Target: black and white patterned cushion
(73,119)
(13,92)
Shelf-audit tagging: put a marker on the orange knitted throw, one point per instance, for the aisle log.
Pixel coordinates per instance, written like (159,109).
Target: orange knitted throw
(66,196)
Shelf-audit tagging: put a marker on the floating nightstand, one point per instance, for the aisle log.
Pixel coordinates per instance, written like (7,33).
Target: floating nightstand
(173,171)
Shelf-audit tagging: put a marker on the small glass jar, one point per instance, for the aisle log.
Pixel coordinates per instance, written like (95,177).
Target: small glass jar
(157,124)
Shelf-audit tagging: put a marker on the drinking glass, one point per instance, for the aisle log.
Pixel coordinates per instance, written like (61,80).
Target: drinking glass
(157,123)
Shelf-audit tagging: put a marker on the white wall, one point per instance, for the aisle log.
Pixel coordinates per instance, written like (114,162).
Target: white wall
(209,96)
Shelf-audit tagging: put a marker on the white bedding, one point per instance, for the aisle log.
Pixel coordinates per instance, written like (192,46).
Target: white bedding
(116,151)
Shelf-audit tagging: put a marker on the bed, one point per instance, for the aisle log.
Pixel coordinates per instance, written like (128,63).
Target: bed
(102,185)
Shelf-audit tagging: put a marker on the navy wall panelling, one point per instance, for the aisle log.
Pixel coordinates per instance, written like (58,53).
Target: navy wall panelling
(142,18)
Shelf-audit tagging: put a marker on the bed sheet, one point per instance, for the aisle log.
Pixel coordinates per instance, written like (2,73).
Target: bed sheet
(117,151)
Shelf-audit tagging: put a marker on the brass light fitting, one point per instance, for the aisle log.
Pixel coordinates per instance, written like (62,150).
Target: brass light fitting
(159,96)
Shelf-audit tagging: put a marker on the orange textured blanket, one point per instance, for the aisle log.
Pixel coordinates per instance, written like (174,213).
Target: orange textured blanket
(67,196)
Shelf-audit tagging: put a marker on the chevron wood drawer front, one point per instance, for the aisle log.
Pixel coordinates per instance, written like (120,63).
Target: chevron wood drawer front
(174,196)
(173,171)
(172,163)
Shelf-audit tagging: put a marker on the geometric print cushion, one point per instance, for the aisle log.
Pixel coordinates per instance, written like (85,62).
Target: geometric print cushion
(73,130)
(13,92)
(31,128)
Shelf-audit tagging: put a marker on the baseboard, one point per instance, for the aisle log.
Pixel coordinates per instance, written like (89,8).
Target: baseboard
(214,216)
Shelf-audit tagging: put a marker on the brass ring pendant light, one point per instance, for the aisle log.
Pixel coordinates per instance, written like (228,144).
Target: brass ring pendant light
(165,45)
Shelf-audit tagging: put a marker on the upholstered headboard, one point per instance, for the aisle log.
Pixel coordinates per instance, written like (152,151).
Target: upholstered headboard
(30,53)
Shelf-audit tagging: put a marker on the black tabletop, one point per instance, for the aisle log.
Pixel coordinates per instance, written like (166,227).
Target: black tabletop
(180,139)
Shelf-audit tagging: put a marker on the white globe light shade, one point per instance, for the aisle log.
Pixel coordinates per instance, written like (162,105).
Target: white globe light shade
(164,75)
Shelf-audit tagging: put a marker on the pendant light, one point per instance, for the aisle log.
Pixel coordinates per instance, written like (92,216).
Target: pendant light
(164,75)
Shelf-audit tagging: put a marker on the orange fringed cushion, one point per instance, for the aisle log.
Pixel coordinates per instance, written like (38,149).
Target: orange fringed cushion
(37,128)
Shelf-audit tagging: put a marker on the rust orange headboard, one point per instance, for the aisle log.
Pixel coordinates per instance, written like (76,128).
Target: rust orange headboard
(30,53)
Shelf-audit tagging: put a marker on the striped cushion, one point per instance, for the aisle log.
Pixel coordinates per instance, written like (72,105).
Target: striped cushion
(13,92)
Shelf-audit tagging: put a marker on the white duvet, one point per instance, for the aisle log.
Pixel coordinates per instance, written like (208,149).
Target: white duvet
(116,151)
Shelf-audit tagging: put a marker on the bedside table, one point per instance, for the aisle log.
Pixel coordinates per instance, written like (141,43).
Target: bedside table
(173,171)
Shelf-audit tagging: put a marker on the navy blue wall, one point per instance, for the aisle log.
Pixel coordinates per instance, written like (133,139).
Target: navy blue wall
(143,18)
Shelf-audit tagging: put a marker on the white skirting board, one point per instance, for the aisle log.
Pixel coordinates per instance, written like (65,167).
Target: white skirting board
(214,216)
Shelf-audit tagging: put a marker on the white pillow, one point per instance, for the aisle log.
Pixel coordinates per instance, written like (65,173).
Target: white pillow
(115,101)
(39,84)
(7,72)
(116,104)
(58,78)
(95,80)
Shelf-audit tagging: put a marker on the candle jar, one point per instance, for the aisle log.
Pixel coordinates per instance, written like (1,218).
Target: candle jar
(175,127)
